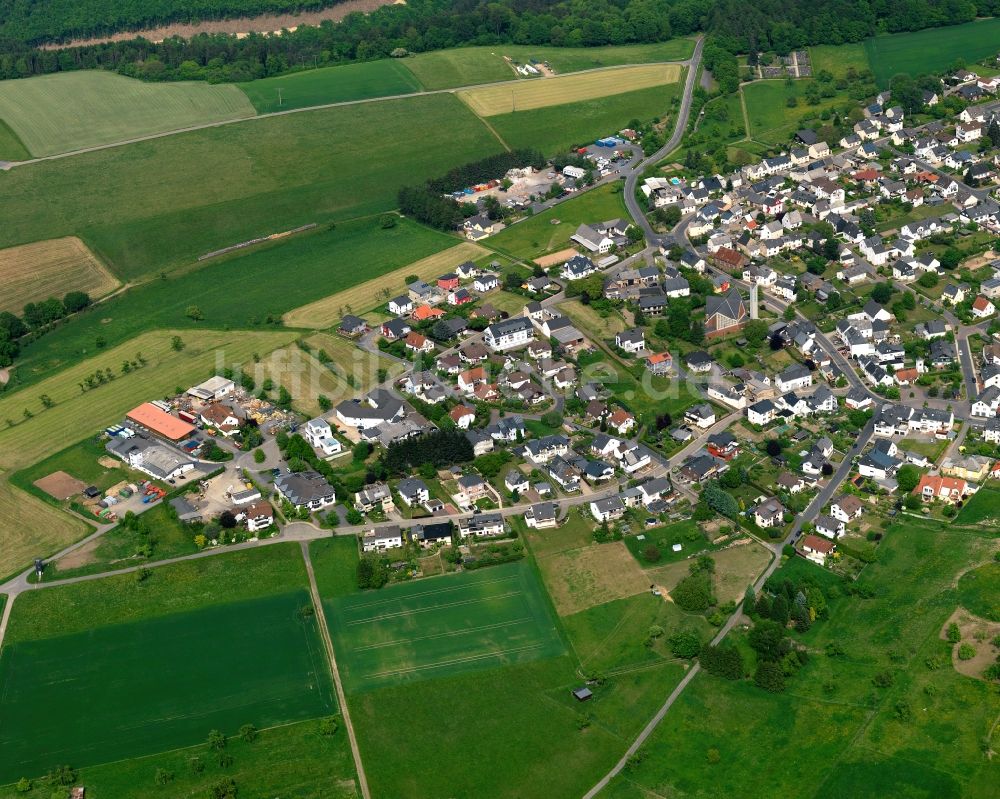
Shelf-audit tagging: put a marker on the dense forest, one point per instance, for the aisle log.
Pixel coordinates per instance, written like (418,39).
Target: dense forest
(421,25)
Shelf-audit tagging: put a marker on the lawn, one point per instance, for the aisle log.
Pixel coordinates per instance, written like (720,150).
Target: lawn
(339,84)
(932,50)
(979,591)
(559,127)
(128,690)
(576,531)
(441,626)
(361,297)
(35,272)
(167,201)
(11,147)
(837,59)
(31,528)
(69,111)
(982,508)
(771,120)
(290,760)
(530,95)
(832,712)
(272,279)
(550,230)
(467,66)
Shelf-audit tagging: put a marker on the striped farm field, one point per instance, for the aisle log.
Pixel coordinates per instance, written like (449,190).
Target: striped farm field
(365,297)
(70,111)
(30,528)
(528,95)
(442,626)
(34,272)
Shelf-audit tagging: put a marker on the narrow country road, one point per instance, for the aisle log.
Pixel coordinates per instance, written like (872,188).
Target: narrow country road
(680,126)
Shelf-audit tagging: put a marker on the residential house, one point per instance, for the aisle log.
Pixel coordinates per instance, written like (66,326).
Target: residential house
(307,489)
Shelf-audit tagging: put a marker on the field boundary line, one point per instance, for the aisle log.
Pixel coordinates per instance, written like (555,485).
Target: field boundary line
(482,119)
(324,632)
(433,608)
(6,616)
(454,661)
(448,634)
(435,592)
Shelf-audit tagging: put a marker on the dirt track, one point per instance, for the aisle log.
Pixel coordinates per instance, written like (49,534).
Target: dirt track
(266,23)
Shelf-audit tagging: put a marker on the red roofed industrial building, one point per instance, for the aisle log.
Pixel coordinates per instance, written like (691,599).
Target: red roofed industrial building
(160,422)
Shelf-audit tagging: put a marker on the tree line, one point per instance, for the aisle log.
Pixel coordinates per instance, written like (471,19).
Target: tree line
(36,318)
(424,25)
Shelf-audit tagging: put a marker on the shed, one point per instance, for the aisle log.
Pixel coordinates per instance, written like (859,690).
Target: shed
(582,694)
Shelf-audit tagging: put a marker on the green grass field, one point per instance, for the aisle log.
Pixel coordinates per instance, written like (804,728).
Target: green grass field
(983,507)
(338,84)
(467,66)
(11,147)
(771,120)
(272,279)
(538,235)
(128,690)
(824,735)
(167,201)
(837,59)
(74,110)
(931,50)
(441,626)
(181,588)
(979,591)
(559,127)
(291,760)
(335,563)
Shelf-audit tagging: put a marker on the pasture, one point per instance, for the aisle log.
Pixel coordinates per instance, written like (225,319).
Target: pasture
(293,759)
(69,111)
(931,50)
(441,626)
(32,528)
(559,127)
(344,83)
(122,691)
(360,298)
(533,94)
(834,729)
(271,279)
(467,66)
(34,272)
(551,230)
(167,201)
